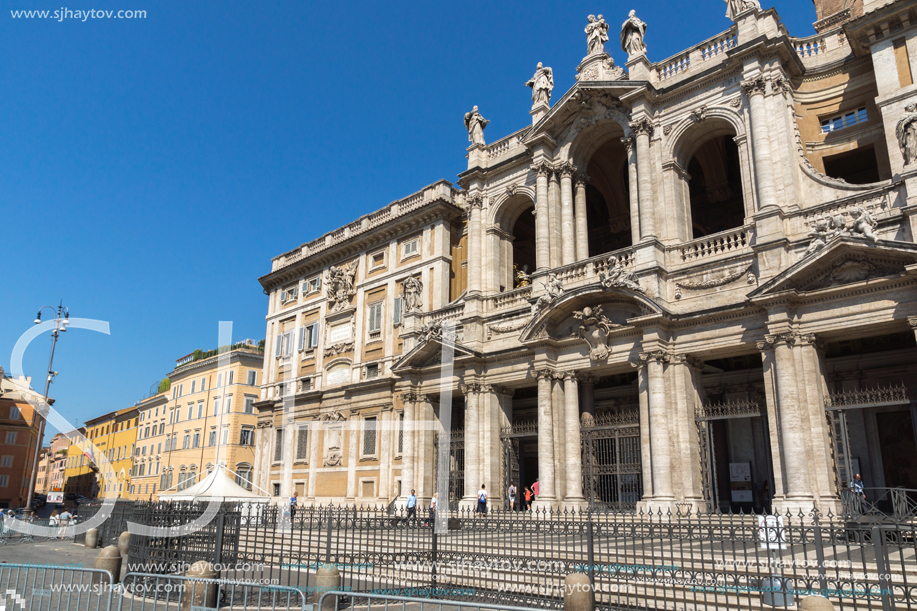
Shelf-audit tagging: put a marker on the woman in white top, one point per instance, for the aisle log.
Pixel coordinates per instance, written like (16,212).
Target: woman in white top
(482,500)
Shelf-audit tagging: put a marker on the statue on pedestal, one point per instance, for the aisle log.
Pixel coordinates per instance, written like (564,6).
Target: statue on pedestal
(633,32)
(412,294)
(475,125)
(596,35)
(734,7)
(542,84)
(906,132)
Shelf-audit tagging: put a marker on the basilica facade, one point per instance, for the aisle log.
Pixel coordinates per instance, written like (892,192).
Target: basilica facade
(684,283)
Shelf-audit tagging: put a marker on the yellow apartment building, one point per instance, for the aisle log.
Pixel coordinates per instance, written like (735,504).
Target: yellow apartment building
(79,474)
(114,436)
(145,479)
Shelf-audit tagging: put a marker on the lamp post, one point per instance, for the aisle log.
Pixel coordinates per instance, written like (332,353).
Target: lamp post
(60,325)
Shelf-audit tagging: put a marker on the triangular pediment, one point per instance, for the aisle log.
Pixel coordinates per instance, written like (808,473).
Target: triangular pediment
(845,261)
(585,105)
(428,353)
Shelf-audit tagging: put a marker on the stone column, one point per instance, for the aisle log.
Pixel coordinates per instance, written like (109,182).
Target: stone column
(386,443)
(542,218)
(472,445)
(773,439)
(314,428)
(353,454)
(546,497)
(574,458)
(643,129)
(582,221)
(425,458)
(791,423)
(634,198)
(688,395)
(407,450)
(912,321)
(660,441)
(568,235)
(475,243)
(812,390)
(558,401)
(491,411)
(586,386)
(554,218)
(761,142)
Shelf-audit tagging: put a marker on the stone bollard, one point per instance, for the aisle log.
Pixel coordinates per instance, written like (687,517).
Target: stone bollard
(124,544)
(327,579)
(578,594)
(815,603)
(109,559)
(92,538)
(200,594)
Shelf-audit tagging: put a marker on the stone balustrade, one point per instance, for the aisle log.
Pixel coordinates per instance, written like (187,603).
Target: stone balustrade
(505,146)
(712,50)
(821,48)
(450,312)
(878,203)
(509,299)
(716,246)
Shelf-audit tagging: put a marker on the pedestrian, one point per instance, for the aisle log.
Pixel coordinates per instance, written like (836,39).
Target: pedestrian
(482,501)
(528,499)
(511,493)
(65,518)
(433,503)
(54,520)
(858,487)
(293,502)
(411,506)
(535,490)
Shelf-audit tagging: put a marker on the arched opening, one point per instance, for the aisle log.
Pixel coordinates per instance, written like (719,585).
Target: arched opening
(523,232)
(513,245)
(608,198)
(715,187)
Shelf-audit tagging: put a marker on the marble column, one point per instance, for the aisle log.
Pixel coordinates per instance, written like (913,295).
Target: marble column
(574,456)
(660,439)
(761,143)
(688,396)
(542,217)
(643,129)
(472,445)
(386,443)
(558,401)
(475,243)
(554,218)
(353,454)
(586,386)
(546,497)
(582,221)
(791,423)
(568,234)
(425,458)
(812,390)
(407,449)
(633,191)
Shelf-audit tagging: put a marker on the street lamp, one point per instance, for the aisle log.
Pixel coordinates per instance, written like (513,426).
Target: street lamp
(61,320)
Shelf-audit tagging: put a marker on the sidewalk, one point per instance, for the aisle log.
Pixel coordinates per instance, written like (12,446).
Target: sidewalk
(49,552)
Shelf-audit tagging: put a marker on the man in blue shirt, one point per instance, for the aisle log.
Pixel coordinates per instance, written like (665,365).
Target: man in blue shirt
(411,506)
(293,503)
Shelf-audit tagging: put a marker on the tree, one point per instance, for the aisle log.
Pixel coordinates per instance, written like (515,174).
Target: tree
(165,384)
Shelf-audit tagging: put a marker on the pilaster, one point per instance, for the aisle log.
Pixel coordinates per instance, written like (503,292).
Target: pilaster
(546,497)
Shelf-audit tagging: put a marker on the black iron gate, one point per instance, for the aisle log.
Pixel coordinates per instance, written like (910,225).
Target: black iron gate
(612,464)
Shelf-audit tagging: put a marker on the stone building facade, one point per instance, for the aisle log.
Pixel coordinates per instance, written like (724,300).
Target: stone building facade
(688,282)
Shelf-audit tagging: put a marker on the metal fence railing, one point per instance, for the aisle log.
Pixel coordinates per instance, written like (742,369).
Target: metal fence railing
(37,587)
(31,530)
(422,601)
(670,560)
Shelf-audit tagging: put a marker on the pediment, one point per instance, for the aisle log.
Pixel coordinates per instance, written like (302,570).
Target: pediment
(585,105)
(428,354)
(560,322)
(846,261)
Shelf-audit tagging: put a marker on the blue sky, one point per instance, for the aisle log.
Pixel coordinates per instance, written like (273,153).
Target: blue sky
(150,169)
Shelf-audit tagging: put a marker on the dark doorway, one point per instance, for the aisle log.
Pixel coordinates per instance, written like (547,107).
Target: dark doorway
(858,167)
(608,199)
(524,242)
(899,451)
(716,187)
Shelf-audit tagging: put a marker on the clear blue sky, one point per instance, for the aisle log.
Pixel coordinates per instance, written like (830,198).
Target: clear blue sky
(150,169)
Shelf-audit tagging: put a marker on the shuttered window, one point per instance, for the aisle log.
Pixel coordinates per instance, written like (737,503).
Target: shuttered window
(278,445)
(302,443)
(369,437)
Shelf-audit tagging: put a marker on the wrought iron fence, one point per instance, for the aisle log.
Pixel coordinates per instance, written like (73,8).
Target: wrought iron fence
(667,559)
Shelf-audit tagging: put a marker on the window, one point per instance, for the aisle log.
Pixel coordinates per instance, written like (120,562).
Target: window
(410,248)
(174,392)
(162,427)
(289,294)
(845,120)
(312,285)
(372,371)
(375,320)
(244,476)
(14,413)
(4,481)
(232,375)
(200,409)
(400,432)
(190,412)
(212,441)
(203,383)
(143,451)
(219,380)
(225,435)
(308,337)
(288,343)
(302,443)
(396,311)
(276,489)
(228,404)
(248,437)
(186,443)
(180,388)
(197,440)
(158,449)
(6,461)
(193,383)
(278,445)
(369,437)
(377,260)
(216,405)
(146,432)
(249,404)
(251,377)
(10,437)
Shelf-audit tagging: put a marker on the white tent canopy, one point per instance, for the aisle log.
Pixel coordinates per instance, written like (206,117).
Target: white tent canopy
(217,486)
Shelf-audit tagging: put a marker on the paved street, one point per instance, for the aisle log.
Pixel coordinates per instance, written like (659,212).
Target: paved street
(48,552)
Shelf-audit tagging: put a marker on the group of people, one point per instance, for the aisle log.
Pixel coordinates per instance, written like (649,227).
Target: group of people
(61,520)
(529,494)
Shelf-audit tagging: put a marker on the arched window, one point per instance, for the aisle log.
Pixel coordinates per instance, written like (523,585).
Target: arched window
(244,475)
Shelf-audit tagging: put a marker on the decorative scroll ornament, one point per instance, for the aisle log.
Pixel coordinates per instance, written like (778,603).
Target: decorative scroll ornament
(337,349)
(699,114)
(709,284)
(594,329)
(340,285)
(753,86)
(508,328)
(736,102)
(615,276)
(849,270)
(554,291)
(906,132)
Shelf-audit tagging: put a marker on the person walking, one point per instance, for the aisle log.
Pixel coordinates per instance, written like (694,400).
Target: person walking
(858,487)
(482,501)
(433,503)
(535,490)
(293,503)
(65,518)
(511,493)
(528,499)
(411,506)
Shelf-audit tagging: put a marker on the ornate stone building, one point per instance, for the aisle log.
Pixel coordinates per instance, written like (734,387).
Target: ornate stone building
(686,282)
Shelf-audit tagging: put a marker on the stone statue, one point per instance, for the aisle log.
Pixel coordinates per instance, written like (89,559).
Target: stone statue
(333,454)
(734,7)
(594,329)
(542,84)
(553,291)
(596,35)
(615,276)
(906,131)
(475,125)
(412,293)
(820,236)
(341,285)
(522,276)
(633,32)
(863,224)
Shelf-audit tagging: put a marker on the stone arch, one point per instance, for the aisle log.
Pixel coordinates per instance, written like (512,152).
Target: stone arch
(511,237)
(504,208)
(710,173)
(584,139)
